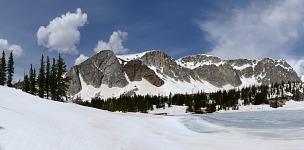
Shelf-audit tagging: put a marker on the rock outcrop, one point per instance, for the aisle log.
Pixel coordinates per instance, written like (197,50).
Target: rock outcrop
(243,67)
(218,75)
(221,72)
(275,71)
(167,66)
(102,68)
(198,60)
(136,71)
(75,83)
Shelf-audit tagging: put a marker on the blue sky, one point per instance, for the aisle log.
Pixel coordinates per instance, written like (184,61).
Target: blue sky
(225,28)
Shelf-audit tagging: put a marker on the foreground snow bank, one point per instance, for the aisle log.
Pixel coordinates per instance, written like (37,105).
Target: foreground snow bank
(30,123)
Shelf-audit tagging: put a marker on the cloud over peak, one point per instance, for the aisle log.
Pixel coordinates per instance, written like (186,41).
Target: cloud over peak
(114,44)
(257,31)
(7,47)
(80,59)
(62,33)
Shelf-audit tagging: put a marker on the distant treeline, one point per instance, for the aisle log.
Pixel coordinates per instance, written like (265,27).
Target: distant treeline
(201,102)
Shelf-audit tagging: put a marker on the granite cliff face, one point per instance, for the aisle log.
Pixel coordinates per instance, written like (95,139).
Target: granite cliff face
(167,66)
(126,72)
(275,71)
(218,75)
(136,71)
(102,68)
(220,72)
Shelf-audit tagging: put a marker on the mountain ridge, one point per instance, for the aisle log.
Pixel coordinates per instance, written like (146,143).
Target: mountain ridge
(109,75)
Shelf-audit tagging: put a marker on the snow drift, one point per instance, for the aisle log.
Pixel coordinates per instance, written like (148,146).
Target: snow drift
(28,122)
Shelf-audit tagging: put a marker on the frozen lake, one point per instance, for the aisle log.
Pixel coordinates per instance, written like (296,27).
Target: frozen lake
(277,124)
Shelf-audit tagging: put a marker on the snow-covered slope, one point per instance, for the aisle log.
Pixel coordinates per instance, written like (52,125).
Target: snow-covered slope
(144,87)
(31,123)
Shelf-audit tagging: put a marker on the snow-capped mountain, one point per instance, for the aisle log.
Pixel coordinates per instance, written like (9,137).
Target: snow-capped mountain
(154,72)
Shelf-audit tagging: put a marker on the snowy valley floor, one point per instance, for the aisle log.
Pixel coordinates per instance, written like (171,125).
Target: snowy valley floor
(30,123)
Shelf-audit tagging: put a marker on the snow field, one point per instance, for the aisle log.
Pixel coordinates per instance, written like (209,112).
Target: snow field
(31,123)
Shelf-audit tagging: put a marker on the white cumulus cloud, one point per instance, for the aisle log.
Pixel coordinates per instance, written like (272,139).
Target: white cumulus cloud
(256,31)
(297,65)
(7,47)
(114,44)
(62,33)
(80,59)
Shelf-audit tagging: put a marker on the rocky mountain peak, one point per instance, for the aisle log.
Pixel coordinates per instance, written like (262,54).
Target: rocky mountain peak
(127,72)
(102,68)
(241,62)
(136,71)
(270,71)
(198,60)
(156,58)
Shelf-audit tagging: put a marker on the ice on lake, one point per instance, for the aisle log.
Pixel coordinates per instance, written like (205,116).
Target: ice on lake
(277,124)
(198,125)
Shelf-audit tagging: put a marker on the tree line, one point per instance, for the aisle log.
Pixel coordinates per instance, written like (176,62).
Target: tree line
(50,82)
(200,102)
(140,103)
(7,70)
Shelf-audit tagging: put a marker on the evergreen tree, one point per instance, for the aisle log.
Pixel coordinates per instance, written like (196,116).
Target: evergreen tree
(32,80)
(53,80)
(35,82)
(170,100)
(10,70)
(47,77)
(3,69)
(197,105)
(190,106)
(26,84)
(41,78)
(62,82)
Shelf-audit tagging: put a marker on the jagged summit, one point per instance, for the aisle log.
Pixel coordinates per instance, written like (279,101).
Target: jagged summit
(128,57)
(155,72)
(195,61)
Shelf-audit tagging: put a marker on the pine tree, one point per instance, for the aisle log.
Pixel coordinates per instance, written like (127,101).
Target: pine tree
(35,82)
(3,69)
(170,100)
(10,70)
(53,80)
(62,82)
(32,80)
(47,77)
(26,84)
(41,78)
